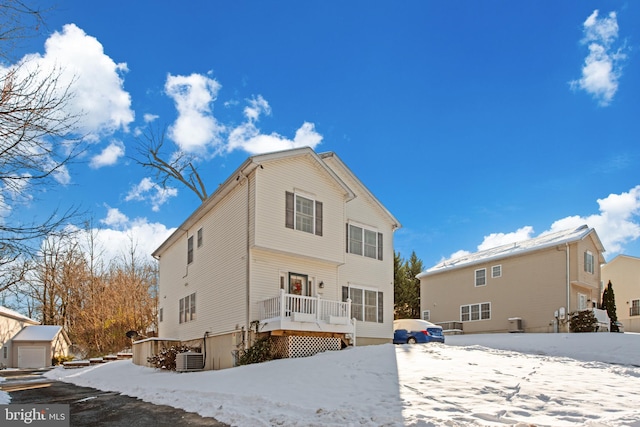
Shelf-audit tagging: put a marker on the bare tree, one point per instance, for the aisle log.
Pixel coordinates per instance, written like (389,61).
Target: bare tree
(180,168)
(36,143)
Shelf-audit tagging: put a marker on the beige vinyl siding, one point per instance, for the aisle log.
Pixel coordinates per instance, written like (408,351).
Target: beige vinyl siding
(301,175)
(266,268)
(362,271)
(525,289)
(217,274)
(624,273)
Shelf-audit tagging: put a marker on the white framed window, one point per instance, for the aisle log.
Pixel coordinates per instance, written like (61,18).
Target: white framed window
(426,315)
(481,277)
(634,310)
(363,241)
(582,302)
(190,250)
(200,237)
(473,312)
(366,303)
(303,213)
(187,308)
(588,262)
(496,271)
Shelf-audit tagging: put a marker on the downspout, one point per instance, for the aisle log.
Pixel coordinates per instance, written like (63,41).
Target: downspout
(248,264)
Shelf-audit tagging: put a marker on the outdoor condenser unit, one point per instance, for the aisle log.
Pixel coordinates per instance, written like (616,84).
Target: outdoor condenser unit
(189,361)
(515,324)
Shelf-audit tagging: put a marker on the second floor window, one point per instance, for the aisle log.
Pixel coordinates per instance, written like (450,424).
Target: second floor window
(303,213)
(588,262)
(361,241)
(190,250)
(481,277)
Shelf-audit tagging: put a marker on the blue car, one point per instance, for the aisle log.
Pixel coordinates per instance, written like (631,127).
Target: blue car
(412,331)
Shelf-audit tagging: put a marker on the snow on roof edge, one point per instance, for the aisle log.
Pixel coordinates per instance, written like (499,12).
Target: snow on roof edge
(504,251)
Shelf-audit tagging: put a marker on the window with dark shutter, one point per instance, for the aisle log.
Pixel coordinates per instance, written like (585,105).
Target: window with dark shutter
(380,308)
(290,210)
(380,246)
(318,218)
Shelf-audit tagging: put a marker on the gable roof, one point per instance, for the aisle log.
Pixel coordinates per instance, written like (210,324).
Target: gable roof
(518,248)
(7,312)
(235,179)
(38,333)
(332,155)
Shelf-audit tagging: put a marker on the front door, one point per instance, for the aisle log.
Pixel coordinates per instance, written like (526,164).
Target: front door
(298,284)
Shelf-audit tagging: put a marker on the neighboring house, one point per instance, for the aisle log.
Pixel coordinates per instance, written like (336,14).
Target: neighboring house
(624,273)
(291,243)
(25,344)
(528,286)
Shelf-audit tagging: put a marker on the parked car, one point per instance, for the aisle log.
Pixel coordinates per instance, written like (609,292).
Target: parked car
(411,331)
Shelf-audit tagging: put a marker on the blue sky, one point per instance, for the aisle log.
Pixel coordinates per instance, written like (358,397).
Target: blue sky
(474,123)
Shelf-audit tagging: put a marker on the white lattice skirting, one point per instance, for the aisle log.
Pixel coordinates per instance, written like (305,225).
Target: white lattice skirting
(298,346)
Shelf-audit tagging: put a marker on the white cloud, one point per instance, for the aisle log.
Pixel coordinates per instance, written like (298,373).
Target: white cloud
(109,156)
(617,223)
(603,65)
(147,190)
(97,91)
(196,128)
(114,241)
(498,239)
(148,118)
(248,138)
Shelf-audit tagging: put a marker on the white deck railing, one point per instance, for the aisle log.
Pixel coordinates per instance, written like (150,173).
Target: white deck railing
(286,306)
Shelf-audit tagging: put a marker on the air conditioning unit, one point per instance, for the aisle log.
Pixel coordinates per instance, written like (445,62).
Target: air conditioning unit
(515,324)
(189,362)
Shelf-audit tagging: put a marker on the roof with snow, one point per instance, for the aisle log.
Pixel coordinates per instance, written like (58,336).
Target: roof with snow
(38,333)
(7,312)
(541,242)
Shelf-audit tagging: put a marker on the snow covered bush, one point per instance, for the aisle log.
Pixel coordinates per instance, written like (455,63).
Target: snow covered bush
(166,359)
(583,321)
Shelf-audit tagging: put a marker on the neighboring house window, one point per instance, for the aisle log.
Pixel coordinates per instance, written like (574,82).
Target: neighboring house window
(5,352)
(588,262)
(481,277)
(200,237)
(496,271)
(582,302)
(472,312)
(303,214)
(426,315)
(188,308)
(160,315)
(366,304)
(361,241)
(190,250)
(634,310)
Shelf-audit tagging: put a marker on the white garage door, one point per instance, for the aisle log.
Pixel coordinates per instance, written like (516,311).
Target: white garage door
(31,357)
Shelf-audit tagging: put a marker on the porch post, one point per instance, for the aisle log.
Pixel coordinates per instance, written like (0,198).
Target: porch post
(282,304)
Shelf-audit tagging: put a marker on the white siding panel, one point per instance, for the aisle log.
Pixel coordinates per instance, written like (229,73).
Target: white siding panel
(303,174)
(217,274)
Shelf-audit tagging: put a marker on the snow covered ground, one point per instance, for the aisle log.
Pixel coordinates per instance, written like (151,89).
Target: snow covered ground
(473,380)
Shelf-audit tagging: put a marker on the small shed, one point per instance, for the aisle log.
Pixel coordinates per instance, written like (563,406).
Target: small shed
(35,346)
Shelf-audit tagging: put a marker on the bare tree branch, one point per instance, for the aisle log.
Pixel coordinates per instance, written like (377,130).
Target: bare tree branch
(181,168)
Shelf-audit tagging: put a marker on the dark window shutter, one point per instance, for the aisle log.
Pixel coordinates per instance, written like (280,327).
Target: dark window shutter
(289,210)
(318,218)
(380,308)
(347,238)
(345,293)
(380,246)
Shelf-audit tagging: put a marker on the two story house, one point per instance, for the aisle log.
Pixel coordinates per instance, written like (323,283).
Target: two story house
(292,244)
(624,273)
(528,286)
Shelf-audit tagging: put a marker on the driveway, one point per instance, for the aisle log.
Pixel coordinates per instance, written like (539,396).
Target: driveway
(91,407)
